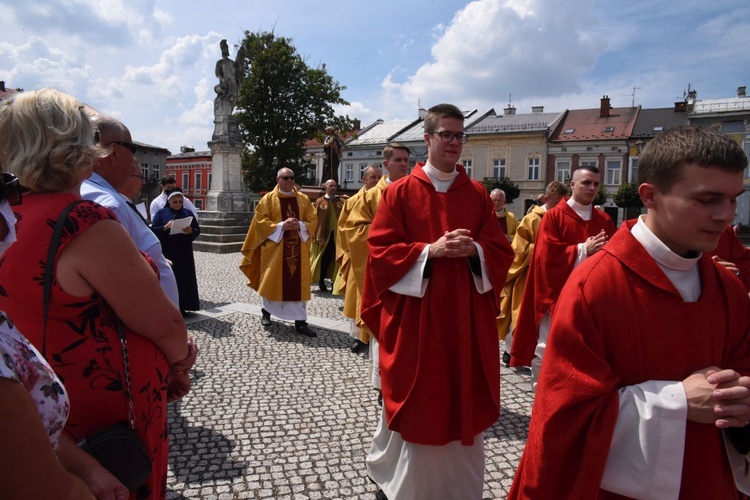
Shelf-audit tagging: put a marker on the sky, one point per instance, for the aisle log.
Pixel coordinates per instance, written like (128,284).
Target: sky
(150,63)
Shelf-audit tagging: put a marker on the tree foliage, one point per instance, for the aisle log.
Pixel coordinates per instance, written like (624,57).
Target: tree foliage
(282,102)
(627,196)
(601,196)
(512,191)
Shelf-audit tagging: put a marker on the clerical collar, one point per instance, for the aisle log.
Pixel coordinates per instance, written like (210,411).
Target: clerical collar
(439,174)
(658,250)
(288,193)
(501,212)
(583,211)
(326,197)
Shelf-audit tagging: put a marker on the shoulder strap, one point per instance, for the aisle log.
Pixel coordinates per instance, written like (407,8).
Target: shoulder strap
(49,265)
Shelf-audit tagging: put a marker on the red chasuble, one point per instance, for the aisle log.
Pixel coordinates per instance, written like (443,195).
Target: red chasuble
(555,252)
(439,354)
(731,248)
(292,267)
(619,321)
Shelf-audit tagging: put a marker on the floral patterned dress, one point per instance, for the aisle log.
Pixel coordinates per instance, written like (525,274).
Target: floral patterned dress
(83,345)
(20,361)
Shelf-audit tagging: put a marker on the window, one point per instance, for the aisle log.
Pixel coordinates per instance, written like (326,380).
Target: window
(533,169)
(562,171)
(185,181)
(349,172)
(613,173)
(608,130)
(362,167)
(198,203)
(633,174)
(156,168)
(569,131)
(198,181)
(210,178)
(588,163)
(468,166)
(658,128)
(498,169)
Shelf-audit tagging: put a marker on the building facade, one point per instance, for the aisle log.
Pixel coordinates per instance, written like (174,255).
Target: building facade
(192,171)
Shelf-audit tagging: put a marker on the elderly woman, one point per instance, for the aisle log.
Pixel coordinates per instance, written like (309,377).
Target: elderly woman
(178,247)
(100,283)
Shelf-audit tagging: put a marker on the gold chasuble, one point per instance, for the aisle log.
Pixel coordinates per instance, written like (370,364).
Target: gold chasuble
(344,276)
(279,271)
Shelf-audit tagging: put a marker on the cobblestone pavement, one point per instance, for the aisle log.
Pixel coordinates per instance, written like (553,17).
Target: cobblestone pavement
(273,414)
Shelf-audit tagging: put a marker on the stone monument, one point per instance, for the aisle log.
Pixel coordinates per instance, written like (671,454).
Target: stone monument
(228,208)
(227,190)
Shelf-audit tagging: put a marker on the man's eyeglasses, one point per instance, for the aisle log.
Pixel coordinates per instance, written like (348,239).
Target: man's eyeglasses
(449,136)
(287,177)
(10,189)
(124,144)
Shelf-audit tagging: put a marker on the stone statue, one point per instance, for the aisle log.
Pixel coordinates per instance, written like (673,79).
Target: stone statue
(225,125)
(332,151)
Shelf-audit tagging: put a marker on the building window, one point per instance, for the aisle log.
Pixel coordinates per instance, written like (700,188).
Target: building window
(533,169)
(362,167)
(198,181)
(498,169)
(588,163)
(633,173)
(349,172)
(608,130)
(198,203)
(562,171)
(468,167)
(210,178)
(156,168)
(185,181)
(613,173)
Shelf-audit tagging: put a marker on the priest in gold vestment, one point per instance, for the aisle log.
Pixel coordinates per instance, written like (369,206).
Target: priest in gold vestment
(276,252)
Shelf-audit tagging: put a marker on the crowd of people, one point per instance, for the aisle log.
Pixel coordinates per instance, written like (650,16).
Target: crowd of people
(638,338)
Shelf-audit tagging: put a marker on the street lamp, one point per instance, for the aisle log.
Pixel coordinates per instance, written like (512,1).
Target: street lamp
(639,146)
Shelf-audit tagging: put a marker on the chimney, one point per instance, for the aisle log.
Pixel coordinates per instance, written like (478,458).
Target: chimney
(605,107)
(186,149)
(422,113)
(742,91)
(680,106)
(537,109)
(692,95)
(2,86)
(509,111)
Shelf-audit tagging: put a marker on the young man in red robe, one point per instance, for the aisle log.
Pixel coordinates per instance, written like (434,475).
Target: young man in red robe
(569,233)
(438,261)
(732,254)
(648,356)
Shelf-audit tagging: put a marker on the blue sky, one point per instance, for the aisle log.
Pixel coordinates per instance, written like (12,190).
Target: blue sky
(150,62)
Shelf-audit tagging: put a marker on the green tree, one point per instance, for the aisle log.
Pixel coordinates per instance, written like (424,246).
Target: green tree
(627,197)
(511,190)
(601,196)
(282,102)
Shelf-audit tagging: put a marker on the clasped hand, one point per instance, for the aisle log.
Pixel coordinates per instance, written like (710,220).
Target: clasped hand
(291,224)
(595,243)
(719,397)
(456,243)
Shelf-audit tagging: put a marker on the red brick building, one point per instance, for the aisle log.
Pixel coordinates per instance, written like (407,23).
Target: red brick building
(192,170)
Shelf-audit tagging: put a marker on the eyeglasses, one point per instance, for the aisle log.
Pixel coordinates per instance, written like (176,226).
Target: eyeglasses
(10,189)
(124,144)
(449,136)
(287,177)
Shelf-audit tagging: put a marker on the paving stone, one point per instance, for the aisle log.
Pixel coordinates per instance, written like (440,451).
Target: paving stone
(273,414)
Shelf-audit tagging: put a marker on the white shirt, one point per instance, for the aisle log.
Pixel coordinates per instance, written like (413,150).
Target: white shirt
(95,188)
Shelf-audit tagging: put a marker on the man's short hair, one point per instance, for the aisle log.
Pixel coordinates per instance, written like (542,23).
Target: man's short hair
(497,190)
(391,147)
(371,168)
(662,162)
(167,179)
(435,113)
(588,168)
(556,187)
(108,128)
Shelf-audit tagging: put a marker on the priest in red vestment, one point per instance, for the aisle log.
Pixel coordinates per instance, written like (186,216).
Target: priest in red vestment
(568,234)
(646,372)
(732,254)
(437,266)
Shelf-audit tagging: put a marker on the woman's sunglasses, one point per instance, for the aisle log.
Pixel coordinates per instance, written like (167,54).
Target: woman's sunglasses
(10,189)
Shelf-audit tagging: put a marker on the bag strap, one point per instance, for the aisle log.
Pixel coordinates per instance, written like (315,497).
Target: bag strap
(47,292)
(54,244)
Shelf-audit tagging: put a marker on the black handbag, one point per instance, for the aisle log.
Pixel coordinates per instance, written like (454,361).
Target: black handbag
(117,447)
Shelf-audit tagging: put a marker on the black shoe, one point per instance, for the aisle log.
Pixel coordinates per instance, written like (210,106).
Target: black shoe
(302,328)
(380,398)
(265,318)
(358,347)
(506,358)
(322,287)
(379,495)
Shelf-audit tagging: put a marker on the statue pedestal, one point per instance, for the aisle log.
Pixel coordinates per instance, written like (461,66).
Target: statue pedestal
(227,191)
